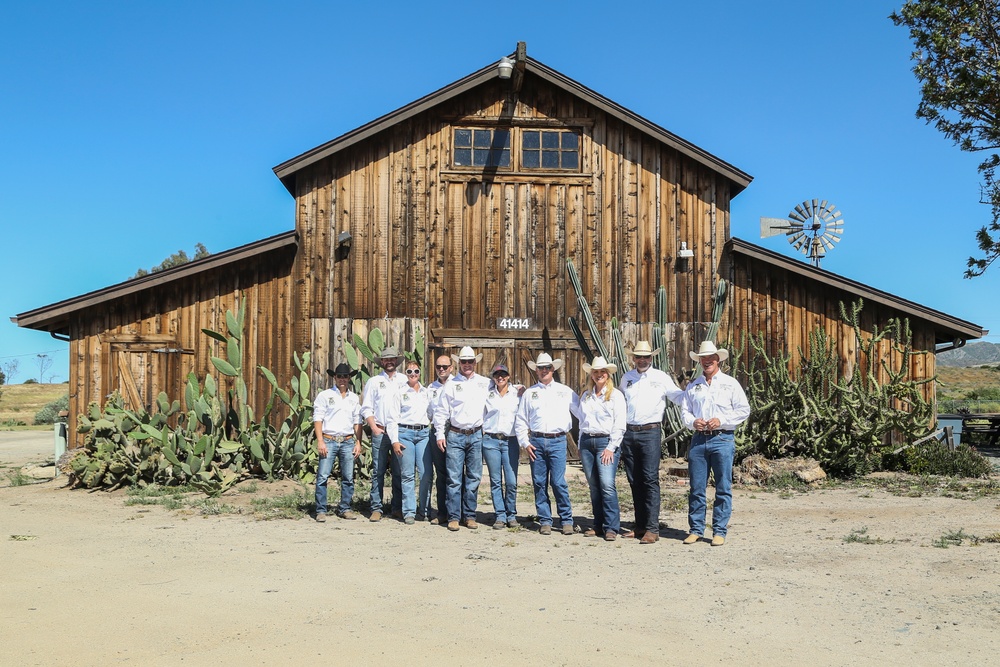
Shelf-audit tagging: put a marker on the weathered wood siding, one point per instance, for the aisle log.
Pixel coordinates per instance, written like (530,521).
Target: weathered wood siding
(785,308)
(148,342)
(461,248)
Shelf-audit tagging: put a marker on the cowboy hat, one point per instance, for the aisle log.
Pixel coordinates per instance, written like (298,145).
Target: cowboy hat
(390,353)
(467,354)
(600,364)
(707,349)
(341,369)
(643,349)
(545,360)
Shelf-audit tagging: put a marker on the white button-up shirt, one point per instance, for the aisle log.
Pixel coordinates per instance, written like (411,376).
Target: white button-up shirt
(545,408)
(435,388)
(414,405)
(462,403)
(603,417)
(337,413)
(501,411)
(646,395)
(723,399)
(379,401)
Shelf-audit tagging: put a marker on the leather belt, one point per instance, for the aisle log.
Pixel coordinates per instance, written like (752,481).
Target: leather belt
(497,436)
(465,431)
(337,438)
(598,435)
(712,434)
(642,427)
(536,434)
(415,427)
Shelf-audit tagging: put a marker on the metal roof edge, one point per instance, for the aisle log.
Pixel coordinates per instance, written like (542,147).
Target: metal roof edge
(32,319)
(953,324)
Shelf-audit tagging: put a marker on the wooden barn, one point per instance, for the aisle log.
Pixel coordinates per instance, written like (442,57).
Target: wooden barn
(454,216)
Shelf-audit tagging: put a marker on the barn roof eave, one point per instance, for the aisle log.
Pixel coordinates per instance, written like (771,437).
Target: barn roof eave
(54,318)
(946,327)
(286,170)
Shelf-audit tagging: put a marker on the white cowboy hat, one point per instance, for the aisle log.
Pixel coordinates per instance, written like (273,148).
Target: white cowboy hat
(707,349)
(545,360)
(642,348)
(600,364)
(467,353)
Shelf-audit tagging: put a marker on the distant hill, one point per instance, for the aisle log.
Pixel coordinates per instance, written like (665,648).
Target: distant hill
(973,354)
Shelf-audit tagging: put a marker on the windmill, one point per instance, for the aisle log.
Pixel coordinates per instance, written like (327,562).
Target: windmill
(812,227)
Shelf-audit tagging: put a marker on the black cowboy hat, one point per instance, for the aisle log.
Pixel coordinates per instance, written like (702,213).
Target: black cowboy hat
(341,369)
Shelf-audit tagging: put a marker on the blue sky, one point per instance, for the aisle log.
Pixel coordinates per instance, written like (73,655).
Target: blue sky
(129,131)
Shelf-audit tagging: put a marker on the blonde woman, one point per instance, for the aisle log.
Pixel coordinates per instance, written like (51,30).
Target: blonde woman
(602,427)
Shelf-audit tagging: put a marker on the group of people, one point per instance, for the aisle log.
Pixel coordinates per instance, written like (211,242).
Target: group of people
(444,432)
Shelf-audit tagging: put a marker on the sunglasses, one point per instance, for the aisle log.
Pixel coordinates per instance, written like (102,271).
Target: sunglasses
(643,356)
(466,361)
(443,368)
(543,368)
(340,377)
(413,371)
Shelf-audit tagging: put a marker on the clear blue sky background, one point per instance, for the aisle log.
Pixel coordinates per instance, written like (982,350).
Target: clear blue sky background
(129,131)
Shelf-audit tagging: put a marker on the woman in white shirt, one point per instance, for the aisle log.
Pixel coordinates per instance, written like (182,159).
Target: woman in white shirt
(414,434)
(602,426)
(500,448)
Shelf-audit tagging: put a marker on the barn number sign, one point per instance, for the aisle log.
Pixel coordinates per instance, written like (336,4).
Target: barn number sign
(514,323)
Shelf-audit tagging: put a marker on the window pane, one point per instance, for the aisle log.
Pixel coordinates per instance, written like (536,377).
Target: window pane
(505,158)
(463,138)
(570,140)
(530,159)
(480,156)
(463,157)
(550,140)
(501,139)
(550,159)
(530,139)
(483,138)
(570,160)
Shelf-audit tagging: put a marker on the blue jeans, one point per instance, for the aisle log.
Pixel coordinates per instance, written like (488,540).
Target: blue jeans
(436,468)
(381,461)
(715,454)
(549,468)
(501,457)
(641,456)
(464,458)
(411,463)
(601,479)
(345,452)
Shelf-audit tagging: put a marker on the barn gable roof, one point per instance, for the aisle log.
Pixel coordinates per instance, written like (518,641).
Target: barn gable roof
(947,329)
(55,317)
(286,170)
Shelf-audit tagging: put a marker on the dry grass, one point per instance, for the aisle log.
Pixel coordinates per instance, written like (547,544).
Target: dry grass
(20,402)
(955,383)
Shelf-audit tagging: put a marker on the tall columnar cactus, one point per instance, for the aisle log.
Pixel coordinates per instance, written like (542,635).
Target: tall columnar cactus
(847,422)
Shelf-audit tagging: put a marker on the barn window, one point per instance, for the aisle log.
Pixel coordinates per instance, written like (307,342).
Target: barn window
(482,147)
(550,149)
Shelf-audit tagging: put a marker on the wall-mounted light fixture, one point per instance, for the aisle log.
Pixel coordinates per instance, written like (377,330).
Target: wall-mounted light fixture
(684,256)
(344,239)
(505,68)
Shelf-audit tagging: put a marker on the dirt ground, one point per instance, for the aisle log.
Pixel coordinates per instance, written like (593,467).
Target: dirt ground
(88,580)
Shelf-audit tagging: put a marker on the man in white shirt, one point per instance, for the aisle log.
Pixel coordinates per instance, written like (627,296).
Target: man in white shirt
(437,468)
(542,422)
(647,391)
(713,406)
(337,422)
(458,423)
(380,408)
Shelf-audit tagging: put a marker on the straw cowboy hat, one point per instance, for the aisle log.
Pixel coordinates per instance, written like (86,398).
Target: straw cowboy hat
(467,353)
(545,360)
(707,349)
(642,348)
(600,364)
